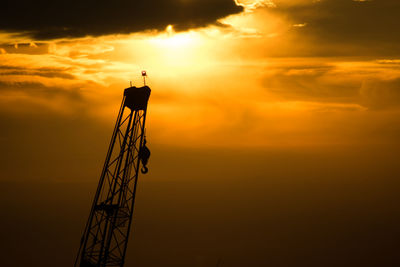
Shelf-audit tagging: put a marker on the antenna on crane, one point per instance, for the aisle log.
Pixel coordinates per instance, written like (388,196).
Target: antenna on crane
(144,75)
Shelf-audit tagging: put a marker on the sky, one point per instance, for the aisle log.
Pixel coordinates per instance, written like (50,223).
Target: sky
(274,127)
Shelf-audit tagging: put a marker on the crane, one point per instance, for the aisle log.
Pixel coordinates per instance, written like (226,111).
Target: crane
(105,238)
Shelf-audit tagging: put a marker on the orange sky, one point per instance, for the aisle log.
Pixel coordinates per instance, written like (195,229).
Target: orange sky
(274,127)
(254,82)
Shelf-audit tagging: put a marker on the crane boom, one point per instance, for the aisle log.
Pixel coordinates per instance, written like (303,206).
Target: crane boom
(105,238)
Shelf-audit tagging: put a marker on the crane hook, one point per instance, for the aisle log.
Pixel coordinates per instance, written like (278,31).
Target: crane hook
(144,156)
(144,170)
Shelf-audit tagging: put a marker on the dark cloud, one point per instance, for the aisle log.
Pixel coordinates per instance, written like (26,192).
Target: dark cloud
(349,27)
(47,19)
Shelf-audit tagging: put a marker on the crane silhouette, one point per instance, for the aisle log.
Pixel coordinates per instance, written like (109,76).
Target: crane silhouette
(106,233)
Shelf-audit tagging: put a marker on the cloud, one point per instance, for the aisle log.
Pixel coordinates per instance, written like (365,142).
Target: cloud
(42,72)
(38,90)
(59,19)
(343,27)
(307,82)
(371,84)
(208,99)
(381,94)
(251,5)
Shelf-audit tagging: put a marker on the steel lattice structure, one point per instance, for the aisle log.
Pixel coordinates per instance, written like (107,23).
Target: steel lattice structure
(105,238)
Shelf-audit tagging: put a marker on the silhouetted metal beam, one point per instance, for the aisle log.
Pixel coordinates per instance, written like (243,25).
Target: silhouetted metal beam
(105,238)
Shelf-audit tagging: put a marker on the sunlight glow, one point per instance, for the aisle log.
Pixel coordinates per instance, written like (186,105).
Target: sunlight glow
(171,48)
(170,39)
